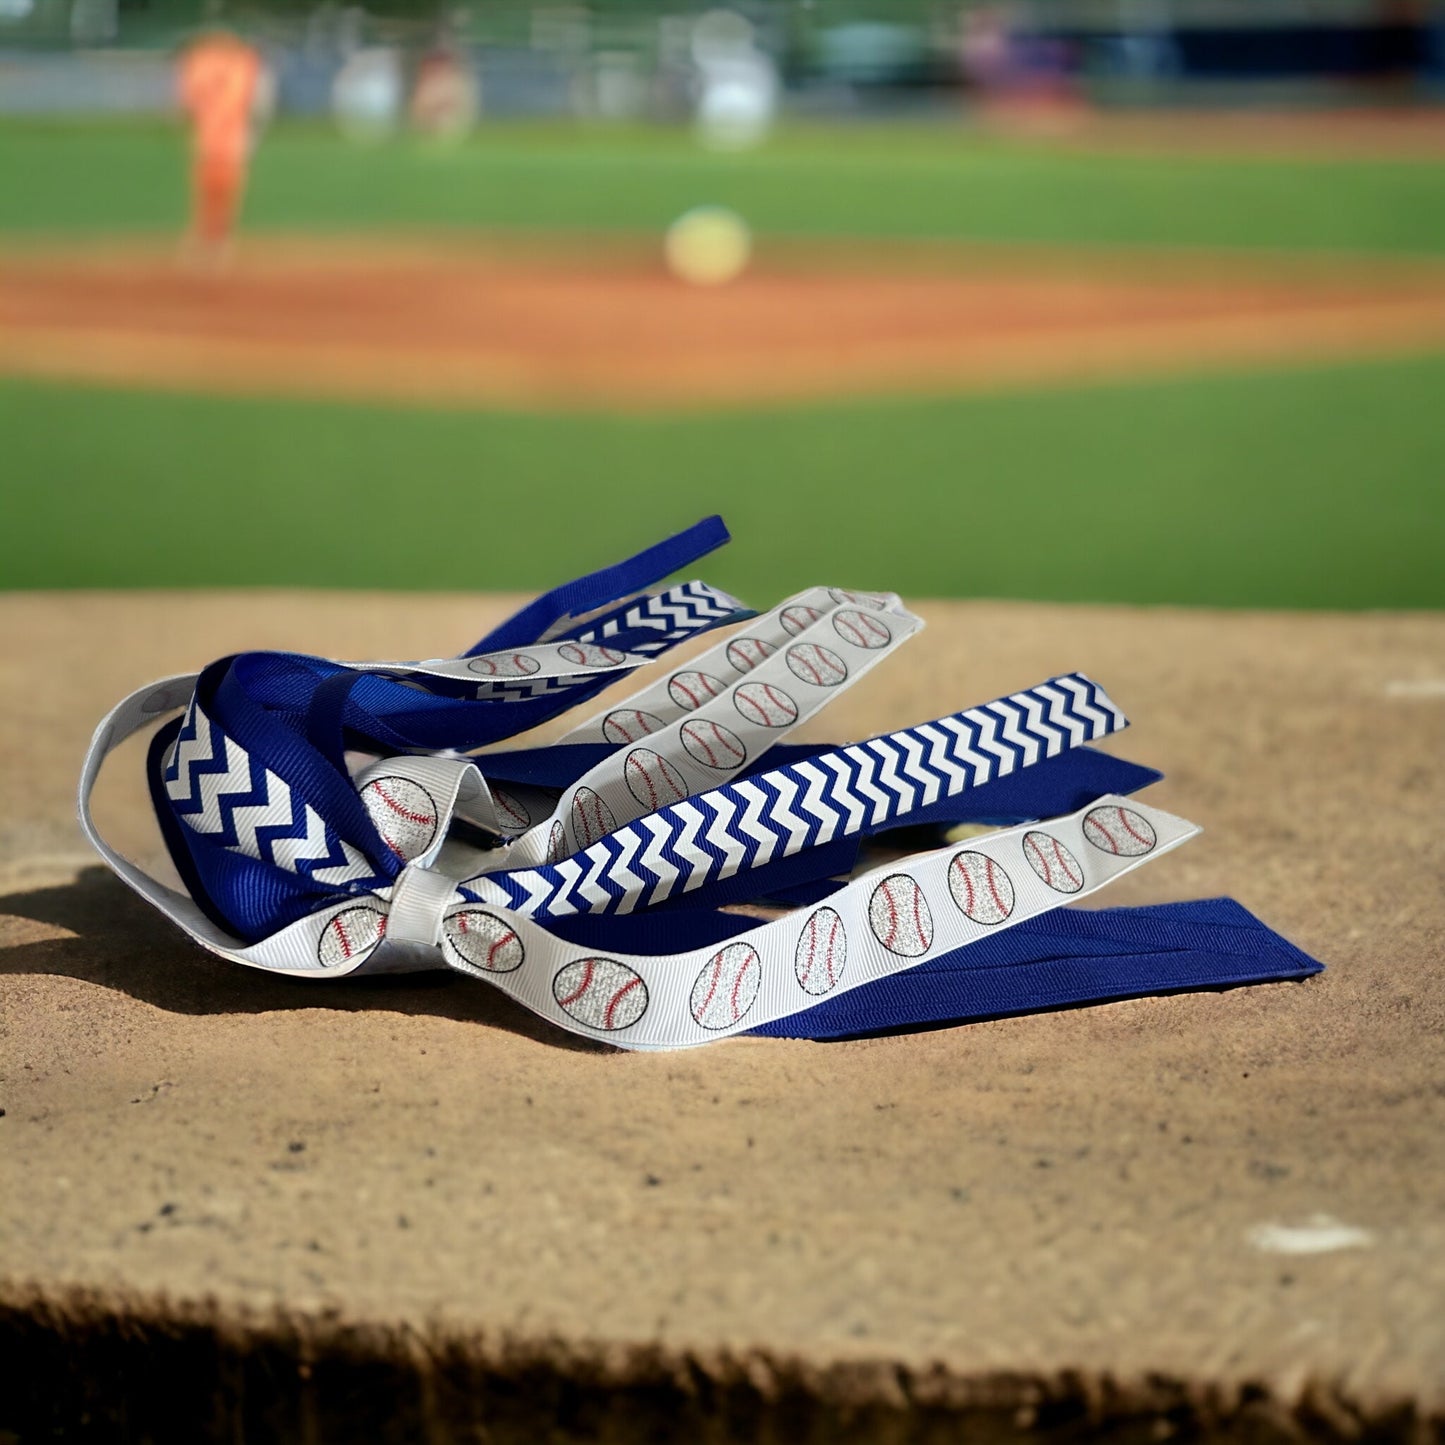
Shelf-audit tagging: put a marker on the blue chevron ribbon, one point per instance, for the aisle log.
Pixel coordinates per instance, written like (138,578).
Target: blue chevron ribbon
(749,823)
(652,624)
(574,601)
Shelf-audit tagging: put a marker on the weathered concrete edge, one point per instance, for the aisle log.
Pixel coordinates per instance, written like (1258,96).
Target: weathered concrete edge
(88,1364)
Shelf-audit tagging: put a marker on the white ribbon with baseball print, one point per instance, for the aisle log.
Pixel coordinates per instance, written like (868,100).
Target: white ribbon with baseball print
(882,923)
(518,672)
(856,621)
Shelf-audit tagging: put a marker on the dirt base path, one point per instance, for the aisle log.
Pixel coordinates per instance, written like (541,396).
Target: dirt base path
(467,324)
(242,1207)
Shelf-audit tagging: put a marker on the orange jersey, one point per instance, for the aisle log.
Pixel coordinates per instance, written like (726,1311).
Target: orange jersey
(219,80)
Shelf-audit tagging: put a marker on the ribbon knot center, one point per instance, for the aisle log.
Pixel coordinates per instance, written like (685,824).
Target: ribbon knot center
(419,901)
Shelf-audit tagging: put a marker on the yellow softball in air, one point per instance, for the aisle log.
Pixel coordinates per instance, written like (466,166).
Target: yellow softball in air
(708,246)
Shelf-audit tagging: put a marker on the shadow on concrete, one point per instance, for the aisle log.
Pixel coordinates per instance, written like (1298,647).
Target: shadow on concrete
(121,943)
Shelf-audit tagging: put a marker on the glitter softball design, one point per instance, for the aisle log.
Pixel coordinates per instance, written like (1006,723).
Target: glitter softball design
(512,817)
(652,780)
(629,725)
(600,993)
(591,818)
(980,888)
(589,654)
(483,941)
(689,690)
(404,813)
(556,843)
(821,666)
(798,618)
(899,917)
(1120,831)
(726,987)
(862,629)
(351,933)
(746,652)
(765,705)
(822,953)
(713,745)
(503,664)
(1053,862)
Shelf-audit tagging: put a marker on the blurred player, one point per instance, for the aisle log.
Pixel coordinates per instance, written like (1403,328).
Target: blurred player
(445,99)
(225,88)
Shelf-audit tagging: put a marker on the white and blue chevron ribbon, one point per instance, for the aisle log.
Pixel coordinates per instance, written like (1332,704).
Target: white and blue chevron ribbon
(221,791)
(746,824)
(665,618)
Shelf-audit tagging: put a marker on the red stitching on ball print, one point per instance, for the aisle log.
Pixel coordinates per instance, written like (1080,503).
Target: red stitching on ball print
(629,725)
(980,888)
(583,982)
(589,654)
(349,933)
(601,993)
(404,813)
(689,690)
(1120,831)
(899,916)
(822,953)
(652,780)
(591,818)
(557,844)
(713,745)
(1053,862)
(819,665)
(746,652)
(798,618)
(484,941)
(503,664)
(727,986)
(861,629)
(511,815)
(765,705)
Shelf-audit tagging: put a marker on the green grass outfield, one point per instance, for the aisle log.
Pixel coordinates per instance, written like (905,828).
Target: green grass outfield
(1308,488)
(1314,486)
(844,180)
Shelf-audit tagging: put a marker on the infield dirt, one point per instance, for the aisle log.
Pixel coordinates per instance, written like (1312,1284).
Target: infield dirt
(545,325)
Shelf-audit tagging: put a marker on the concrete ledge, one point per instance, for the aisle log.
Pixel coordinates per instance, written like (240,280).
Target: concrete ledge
(242,1207)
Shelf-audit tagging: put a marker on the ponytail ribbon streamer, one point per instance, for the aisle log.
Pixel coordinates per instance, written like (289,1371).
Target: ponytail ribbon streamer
(330,819)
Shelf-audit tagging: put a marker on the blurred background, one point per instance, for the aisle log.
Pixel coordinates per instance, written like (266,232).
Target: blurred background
(1124,300)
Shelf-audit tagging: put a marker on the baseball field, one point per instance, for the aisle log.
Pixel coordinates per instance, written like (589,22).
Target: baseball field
(1032,382)
(959,365)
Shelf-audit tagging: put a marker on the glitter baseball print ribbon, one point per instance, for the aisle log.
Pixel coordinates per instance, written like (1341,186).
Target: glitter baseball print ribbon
(330,819)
